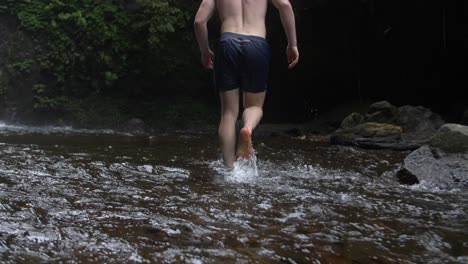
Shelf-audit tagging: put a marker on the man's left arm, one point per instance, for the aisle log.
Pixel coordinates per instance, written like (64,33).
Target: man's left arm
(205,12)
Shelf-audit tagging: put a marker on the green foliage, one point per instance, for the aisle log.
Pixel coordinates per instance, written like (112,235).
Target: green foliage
(44,102)
(23,66)
(87,47)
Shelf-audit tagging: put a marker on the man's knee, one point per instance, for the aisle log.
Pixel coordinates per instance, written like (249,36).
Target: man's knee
(257,108)
(254,99)
(230,115)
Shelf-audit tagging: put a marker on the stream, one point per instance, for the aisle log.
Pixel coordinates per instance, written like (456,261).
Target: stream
(97,196)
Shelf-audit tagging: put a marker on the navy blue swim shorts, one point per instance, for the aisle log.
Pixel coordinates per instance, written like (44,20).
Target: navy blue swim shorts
(241,61)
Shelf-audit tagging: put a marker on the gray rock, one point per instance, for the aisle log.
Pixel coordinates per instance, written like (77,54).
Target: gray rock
(452,138)
(352,120)
(382,112)
(434,168)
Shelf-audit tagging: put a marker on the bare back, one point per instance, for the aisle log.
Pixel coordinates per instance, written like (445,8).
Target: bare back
(243,16)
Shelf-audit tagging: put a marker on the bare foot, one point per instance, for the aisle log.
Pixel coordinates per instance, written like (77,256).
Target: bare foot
(245,150)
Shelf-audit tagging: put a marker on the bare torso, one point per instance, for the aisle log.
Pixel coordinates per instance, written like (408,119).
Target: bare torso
(243,16)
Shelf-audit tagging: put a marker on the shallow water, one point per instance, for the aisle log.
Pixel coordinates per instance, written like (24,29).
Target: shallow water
(97,196)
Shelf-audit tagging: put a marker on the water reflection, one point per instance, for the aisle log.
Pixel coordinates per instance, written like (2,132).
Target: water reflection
(91,197)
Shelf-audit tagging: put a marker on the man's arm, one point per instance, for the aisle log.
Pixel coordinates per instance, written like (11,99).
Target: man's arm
(204,14)
(289,24)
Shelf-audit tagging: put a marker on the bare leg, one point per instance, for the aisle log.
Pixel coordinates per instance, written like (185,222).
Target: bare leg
(253,109)
(227,126)
(253,112)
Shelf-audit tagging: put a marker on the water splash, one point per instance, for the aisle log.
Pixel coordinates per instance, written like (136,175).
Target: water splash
(245,171)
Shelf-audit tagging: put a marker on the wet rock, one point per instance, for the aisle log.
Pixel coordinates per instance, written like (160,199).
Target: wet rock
(434,168)
(451,138)
(418,123)
(382,112)
(376,130)
(372,135)
(388,127)
(352,120)
(134,126)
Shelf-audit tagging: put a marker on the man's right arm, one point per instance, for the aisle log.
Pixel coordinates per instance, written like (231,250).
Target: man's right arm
(204,13)
(287,18)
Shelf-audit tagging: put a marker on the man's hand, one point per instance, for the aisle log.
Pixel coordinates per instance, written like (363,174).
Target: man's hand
(205,12)
(293,56)
(207,57)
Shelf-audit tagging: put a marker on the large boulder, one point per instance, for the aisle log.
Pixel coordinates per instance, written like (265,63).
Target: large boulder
(434,168)
(451,138)
(418,123)
(441,163)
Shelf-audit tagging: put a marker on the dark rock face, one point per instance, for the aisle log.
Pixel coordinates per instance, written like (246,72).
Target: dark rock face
(19,72)
(434,168)
(464,119)
(133,126)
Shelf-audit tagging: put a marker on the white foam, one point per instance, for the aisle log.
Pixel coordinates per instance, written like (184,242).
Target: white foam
(23,129)
(245,171)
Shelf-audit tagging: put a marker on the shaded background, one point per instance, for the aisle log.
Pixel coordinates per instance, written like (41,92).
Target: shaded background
(353,52)
(406,52)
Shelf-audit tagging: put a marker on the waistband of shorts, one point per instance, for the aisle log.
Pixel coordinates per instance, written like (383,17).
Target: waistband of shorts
(228,35)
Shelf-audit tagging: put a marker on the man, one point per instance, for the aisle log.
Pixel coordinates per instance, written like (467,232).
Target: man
(241,62)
